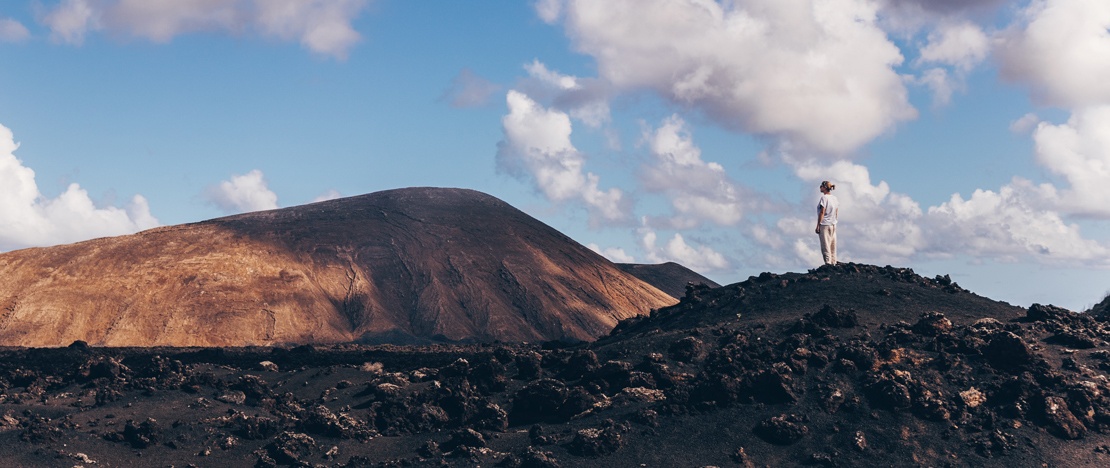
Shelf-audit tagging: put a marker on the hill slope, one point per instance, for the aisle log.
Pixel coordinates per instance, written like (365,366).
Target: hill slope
(669,277)
(403,266)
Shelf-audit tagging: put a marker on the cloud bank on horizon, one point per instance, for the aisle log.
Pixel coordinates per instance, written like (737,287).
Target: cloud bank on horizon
(815,81)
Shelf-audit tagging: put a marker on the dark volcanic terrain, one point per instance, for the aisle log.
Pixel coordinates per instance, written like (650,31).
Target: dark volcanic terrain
(852,365)
(405,266)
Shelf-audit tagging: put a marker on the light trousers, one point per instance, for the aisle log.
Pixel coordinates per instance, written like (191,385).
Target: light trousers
(828,243)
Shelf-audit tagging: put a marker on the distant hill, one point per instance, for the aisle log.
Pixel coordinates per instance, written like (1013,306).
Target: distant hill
(412,265)
(669,277)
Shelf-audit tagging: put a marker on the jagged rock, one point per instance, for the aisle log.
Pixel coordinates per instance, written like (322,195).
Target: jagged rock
(1060,420)
(932,324)
(142,435)
(592,442)
(539,401)
(1008,352)
(688,349)
(291,448)
(464,438)
(830,317)
(781,430)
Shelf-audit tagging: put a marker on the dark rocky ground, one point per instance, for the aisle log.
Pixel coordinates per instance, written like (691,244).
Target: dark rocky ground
(853,365)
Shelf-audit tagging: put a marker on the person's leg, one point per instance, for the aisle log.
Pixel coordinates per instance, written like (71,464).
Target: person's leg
(832,244)
(825,243)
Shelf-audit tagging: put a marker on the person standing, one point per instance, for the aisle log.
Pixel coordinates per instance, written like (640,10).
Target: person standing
(828,209)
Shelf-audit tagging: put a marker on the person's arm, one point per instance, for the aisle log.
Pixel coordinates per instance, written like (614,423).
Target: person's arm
(820,215)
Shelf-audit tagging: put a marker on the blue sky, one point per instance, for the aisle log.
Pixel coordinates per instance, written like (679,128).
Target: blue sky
(967,138)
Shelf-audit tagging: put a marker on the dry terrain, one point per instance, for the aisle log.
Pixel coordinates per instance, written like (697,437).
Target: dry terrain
(853,365)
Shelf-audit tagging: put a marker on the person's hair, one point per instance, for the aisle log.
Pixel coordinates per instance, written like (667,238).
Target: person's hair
(826,185)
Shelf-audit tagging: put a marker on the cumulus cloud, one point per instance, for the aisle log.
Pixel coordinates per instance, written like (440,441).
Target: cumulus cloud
(695,257)
(1061,50)
(469,90)
(584,99)
(1019,221)
(1025,124)
(614,254)
(549,10)
(322,26)
(537,145)
(881,225)
(28,218)
(70,20)
(951,50)
(13,31)
(817,73)
(940,83)
(1009,225)
(962,45)
(242,193)
(1079,151)
(699,191)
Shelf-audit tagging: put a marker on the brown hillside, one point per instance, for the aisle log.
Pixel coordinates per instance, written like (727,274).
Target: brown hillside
(408,265)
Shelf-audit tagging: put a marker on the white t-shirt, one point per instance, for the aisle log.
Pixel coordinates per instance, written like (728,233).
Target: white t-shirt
(831,205)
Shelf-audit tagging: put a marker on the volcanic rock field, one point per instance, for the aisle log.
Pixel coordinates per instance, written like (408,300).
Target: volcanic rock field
(840,366)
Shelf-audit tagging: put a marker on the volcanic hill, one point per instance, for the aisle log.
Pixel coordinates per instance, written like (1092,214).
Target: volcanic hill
(847,365)
(415,265)
(669,277)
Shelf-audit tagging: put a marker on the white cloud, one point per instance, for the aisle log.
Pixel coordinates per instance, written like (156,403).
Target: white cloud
(700,258)
(818,73)
(242,193)
(549,10)
(27,218)
(322,26)
(877,224)
(1025,124)
(1061,49)
(1079,150)
(1021,221)
(331,194)
(951,50)
(583,99)
(70,21)
(537,145)
(13,31)
(469,90)
(940,83)
(614,254)
(1009,225)
(961,45)
(557,80)
(699,191)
